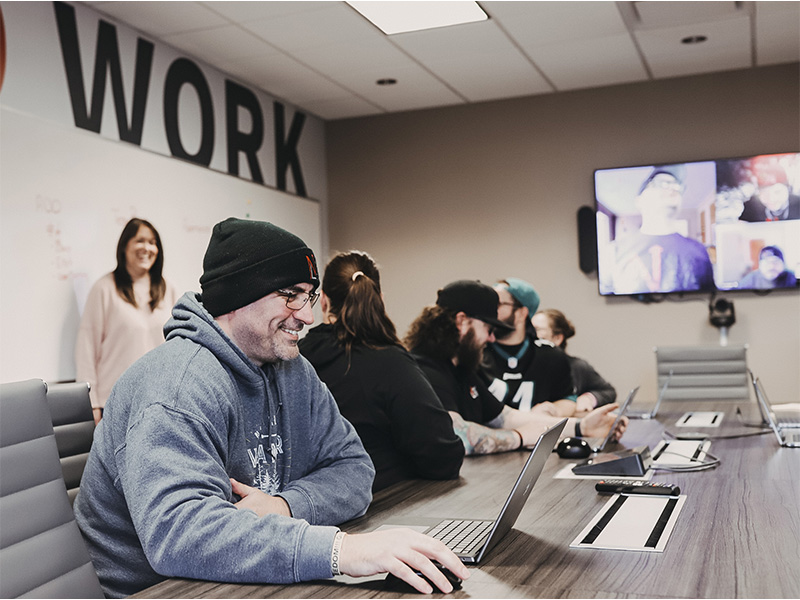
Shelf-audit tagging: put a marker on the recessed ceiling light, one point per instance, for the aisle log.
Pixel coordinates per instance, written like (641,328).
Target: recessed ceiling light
(694,39)
(402,17)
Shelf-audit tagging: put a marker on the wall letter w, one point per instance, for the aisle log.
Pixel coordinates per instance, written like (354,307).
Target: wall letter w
(107,55)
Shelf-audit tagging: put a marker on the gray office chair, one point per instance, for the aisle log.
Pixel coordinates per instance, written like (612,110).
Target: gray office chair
(703,372)
(73,423)
(42,553)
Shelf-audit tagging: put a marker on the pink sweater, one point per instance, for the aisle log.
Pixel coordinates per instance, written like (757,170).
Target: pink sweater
(114,334)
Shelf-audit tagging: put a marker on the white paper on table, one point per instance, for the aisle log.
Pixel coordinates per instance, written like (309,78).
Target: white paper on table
(632,522)
(700,419)
(680,452)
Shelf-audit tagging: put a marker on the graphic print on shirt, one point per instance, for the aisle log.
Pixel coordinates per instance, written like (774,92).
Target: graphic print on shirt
(638,271)
(266,463)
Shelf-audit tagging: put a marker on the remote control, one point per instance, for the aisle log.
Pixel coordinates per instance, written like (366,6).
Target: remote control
(627,486)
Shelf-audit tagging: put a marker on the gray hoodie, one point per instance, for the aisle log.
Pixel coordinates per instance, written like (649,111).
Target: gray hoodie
(155,498)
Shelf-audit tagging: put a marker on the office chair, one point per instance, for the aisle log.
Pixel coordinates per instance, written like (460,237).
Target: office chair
(73,423)
(42,553)
(703,372)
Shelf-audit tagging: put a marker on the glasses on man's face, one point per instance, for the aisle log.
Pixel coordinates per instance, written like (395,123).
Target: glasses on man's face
(297,300)
(666,184)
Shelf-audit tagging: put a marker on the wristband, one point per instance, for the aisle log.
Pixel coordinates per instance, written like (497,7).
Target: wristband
(578,428)
(520,438)
(337,546)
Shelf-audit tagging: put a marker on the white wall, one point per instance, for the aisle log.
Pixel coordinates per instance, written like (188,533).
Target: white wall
(492,190)
(67,192)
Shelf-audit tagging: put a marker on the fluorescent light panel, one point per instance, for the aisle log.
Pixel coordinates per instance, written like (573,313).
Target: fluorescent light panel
(401,17)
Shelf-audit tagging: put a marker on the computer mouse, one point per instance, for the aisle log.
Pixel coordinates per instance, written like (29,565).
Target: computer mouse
(572,447)
(395,583)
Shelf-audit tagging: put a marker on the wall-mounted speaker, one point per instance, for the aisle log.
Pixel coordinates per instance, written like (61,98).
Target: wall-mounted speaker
(587,239)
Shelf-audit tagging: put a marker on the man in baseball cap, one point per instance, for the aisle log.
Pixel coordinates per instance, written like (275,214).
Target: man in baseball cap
(448,341)
(526,373)
(771,272)
(222,456)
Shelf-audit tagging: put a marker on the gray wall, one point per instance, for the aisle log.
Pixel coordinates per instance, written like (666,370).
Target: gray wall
(492,190)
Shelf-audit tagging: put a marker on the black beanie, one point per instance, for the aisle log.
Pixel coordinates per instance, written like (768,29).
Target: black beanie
(247,260)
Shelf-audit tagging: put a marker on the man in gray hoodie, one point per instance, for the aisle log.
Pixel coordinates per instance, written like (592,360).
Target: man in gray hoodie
(222,456)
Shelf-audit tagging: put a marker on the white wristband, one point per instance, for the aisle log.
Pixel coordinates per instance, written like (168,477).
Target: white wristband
(337,546)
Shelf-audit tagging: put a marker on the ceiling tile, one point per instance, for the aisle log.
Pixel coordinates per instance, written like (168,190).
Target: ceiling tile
(284,77)
(517,77)
(777,32)
(240,11)
(341,109)
(728,47)
(220,44)
(333,24)
(541,23)
(162,18)
(668,14)
(415,88)
(590,62)
(367,60)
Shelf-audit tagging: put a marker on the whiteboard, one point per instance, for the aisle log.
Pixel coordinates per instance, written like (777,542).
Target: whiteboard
(65,195)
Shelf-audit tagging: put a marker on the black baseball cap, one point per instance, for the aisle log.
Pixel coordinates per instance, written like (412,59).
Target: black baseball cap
(475,299)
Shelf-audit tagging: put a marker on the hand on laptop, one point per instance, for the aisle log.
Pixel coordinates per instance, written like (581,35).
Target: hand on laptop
(399,551)
(597,423)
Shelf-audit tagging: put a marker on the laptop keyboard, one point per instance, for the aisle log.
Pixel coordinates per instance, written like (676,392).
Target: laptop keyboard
(461,536)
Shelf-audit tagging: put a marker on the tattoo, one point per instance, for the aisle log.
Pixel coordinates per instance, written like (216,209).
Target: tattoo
(478,439)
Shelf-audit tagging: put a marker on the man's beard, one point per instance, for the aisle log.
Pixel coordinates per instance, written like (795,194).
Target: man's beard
(469,353)
(500,334)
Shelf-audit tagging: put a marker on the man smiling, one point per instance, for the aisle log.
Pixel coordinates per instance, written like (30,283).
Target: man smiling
(222,456)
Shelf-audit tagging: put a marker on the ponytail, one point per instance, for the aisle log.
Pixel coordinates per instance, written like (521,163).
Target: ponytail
(352,285)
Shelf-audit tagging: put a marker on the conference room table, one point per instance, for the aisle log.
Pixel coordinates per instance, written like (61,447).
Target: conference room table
(737,535)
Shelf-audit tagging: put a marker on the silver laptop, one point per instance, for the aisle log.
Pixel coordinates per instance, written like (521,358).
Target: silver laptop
(652,414)
(788,433)
(471,539)
(597,444)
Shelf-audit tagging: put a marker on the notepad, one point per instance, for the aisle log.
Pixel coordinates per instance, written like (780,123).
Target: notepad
(636,522)
(700,419)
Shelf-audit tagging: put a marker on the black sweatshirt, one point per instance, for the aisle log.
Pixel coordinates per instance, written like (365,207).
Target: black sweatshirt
(384,394)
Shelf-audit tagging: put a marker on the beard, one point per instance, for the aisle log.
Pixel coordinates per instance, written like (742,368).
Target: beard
(469,353)
(501,335)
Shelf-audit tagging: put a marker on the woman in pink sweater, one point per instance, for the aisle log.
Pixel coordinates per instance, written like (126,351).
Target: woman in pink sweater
(125,312)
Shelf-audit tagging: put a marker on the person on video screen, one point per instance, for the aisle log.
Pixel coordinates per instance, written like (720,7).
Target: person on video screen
(657,259)
(773,200)
(771,272)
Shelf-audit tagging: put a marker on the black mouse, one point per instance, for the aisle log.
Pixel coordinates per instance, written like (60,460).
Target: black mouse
(395,583)
(572,447)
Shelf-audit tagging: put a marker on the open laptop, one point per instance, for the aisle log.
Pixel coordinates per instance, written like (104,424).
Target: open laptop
(598,444)
(652,414)
(471,539)
(787,432)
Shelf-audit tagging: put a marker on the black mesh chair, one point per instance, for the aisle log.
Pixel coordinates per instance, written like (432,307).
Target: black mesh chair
(42,553)
(73,423)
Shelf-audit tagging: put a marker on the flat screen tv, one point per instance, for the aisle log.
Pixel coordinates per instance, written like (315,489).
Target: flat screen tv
(727,224)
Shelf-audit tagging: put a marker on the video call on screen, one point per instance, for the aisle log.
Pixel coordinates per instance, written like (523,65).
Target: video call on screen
(725,224)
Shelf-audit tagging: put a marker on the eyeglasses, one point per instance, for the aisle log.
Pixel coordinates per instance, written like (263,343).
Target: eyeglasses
(514,304)
(666,184)
(297,300)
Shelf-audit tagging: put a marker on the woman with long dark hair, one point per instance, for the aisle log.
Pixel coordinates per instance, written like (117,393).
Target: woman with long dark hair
(125,312)
(376,383)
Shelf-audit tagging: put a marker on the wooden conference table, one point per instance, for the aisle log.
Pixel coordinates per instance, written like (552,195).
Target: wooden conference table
(737,536)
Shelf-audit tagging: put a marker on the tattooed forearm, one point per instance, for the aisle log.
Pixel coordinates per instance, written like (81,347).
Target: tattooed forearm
(479,439)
